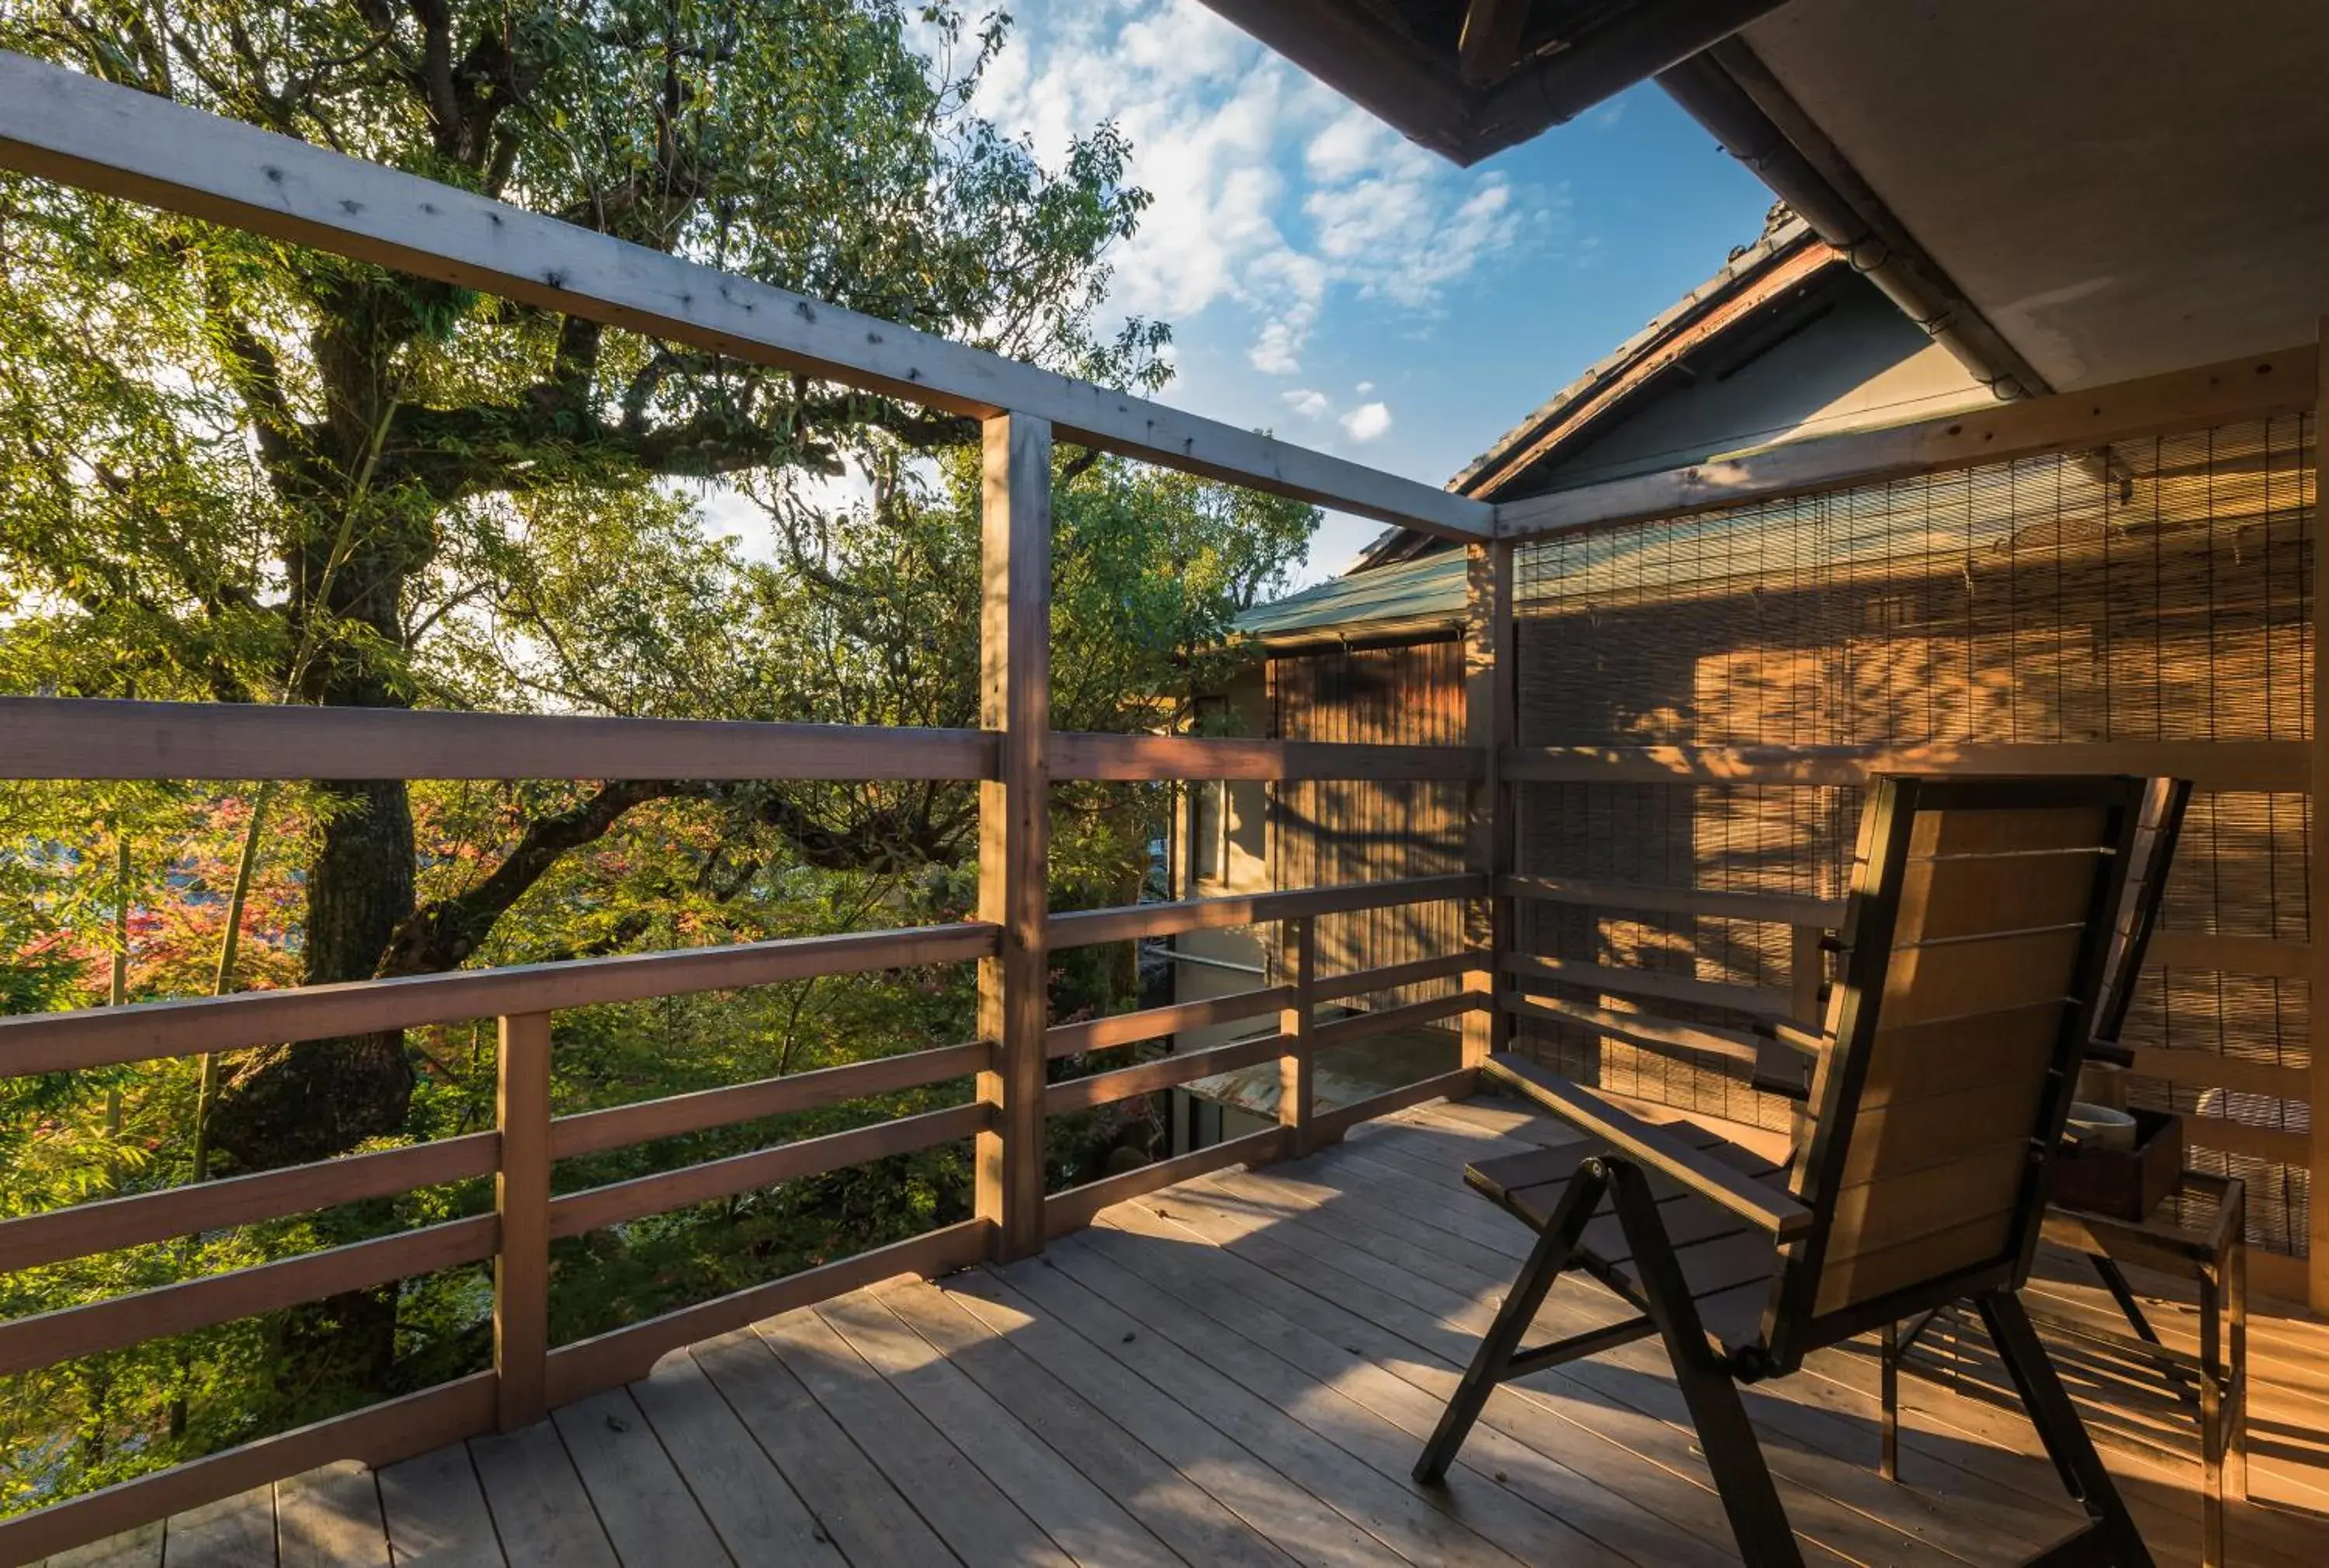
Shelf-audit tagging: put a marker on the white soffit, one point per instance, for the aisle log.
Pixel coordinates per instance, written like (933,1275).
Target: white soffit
(2121,187)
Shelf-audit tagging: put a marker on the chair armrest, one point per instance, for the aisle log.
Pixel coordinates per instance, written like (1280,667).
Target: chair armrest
(2110,1052)
(1795,1036)
(1760,1205)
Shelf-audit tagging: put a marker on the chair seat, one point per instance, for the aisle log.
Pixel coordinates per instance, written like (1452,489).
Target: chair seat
(1728,1263)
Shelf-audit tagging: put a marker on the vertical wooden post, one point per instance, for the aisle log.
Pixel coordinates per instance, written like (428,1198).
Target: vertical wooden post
(521,1200)
(2317,872)
(1490,722)
(1014,824)
(1297,1076)
(1807,968)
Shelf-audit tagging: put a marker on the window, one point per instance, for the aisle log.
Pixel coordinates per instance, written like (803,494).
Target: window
(1208,830)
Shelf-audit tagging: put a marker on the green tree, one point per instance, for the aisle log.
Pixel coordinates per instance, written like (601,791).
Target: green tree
(238,470)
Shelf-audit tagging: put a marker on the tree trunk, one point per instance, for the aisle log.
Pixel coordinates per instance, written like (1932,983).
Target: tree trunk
(312,1099)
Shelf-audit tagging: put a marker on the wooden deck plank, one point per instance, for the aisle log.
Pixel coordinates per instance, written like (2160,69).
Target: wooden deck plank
(759,1518)
(138,1548)
(853,1502)
(542,1511)
(1079,1516)
(330,1516)
(1291,1516)
(1642,1416)
(1452,1527)
(1835,1497)
(1392,1514)
(646,1510)
(1177,1511)
(236,1532)
(435,1507)
(2168,1513)
(970,1514)
(1236,1294)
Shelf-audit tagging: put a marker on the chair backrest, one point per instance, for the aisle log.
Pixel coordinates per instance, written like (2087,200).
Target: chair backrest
(2158,828)
(1981,915)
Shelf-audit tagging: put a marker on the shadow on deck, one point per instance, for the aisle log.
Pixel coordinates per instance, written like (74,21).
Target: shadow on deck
(1239,1371)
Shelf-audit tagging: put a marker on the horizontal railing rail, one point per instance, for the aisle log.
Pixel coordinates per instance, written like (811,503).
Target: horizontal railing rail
(1130,921)
(117,141)
(2278,765)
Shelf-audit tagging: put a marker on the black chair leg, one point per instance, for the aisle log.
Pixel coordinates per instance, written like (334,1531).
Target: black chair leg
(2065,1436)
(1765,1539)
(1492,1363)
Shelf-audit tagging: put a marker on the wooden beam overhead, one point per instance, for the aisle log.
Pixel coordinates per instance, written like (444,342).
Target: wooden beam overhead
(2254,387)
(1490,43)
(63,125)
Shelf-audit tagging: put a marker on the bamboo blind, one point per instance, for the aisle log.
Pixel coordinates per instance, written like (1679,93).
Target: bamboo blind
(1330,832)
(2158,590)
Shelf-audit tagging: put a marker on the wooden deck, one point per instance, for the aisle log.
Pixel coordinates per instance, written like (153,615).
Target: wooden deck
(1237,1371)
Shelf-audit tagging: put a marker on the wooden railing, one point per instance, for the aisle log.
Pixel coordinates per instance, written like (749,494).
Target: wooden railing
(112,140)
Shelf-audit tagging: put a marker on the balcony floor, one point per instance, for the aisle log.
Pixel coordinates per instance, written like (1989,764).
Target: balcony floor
(1239,1371)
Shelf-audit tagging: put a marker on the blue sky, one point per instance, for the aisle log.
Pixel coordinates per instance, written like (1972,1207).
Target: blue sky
(1328,280)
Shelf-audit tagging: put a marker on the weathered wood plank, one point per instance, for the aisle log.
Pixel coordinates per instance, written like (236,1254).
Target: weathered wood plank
(331,1518)
(1071,1210)
(436,1512)
(138,1548)
(1152,1023)
(1015,816)
(850,1499)
(72,737)
(64,126)
(236,1532)
(975,1519)
(1084,927)
(522,1205)
(1070,1094)
(1197,1445)
(759,1518)
(647,1511)
(33,1043)
(2281,765)
(1172,757)
(1079,1516)
(542,1511)
(1174,1508)
(1112,1311)
(109,1225)
(573,1213)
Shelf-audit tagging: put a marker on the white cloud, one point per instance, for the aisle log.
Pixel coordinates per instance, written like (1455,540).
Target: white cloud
(1269,193)
(1367,422)
(1364,388)
(1306,401)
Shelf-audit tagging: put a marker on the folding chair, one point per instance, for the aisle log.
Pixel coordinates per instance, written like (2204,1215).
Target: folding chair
(1980,916)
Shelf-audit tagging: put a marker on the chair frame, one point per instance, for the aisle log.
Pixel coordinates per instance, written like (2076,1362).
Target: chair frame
(1801,1217)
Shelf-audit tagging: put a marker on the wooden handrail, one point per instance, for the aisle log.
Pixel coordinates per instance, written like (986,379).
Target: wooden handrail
(64,126)
(118,1322)
(675,1116)
(85,1229)
(53,737)
(103,1036)
(1395,976)
(1362,1026)
(1626,980)
(1125,922)
(573,1213)
(1169,757)
(1164,1073)
(1155,1023)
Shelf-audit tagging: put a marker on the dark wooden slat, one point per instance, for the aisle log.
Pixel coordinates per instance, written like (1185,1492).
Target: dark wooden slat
(1155,1023)
(1779,909)
(1625,981)
(1084,927)
(622,1125)
(1071,1094)
(34,1043)
(574,1213)
(48,1338)
(1413,1014)
(83,1230)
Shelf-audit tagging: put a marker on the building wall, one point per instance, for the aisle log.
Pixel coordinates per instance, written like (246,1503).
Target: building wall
(2160,592)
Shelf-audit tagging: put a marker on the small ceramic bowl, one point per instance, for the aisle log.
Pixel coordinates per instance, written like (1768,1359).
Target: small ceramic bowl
(2100,1127)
